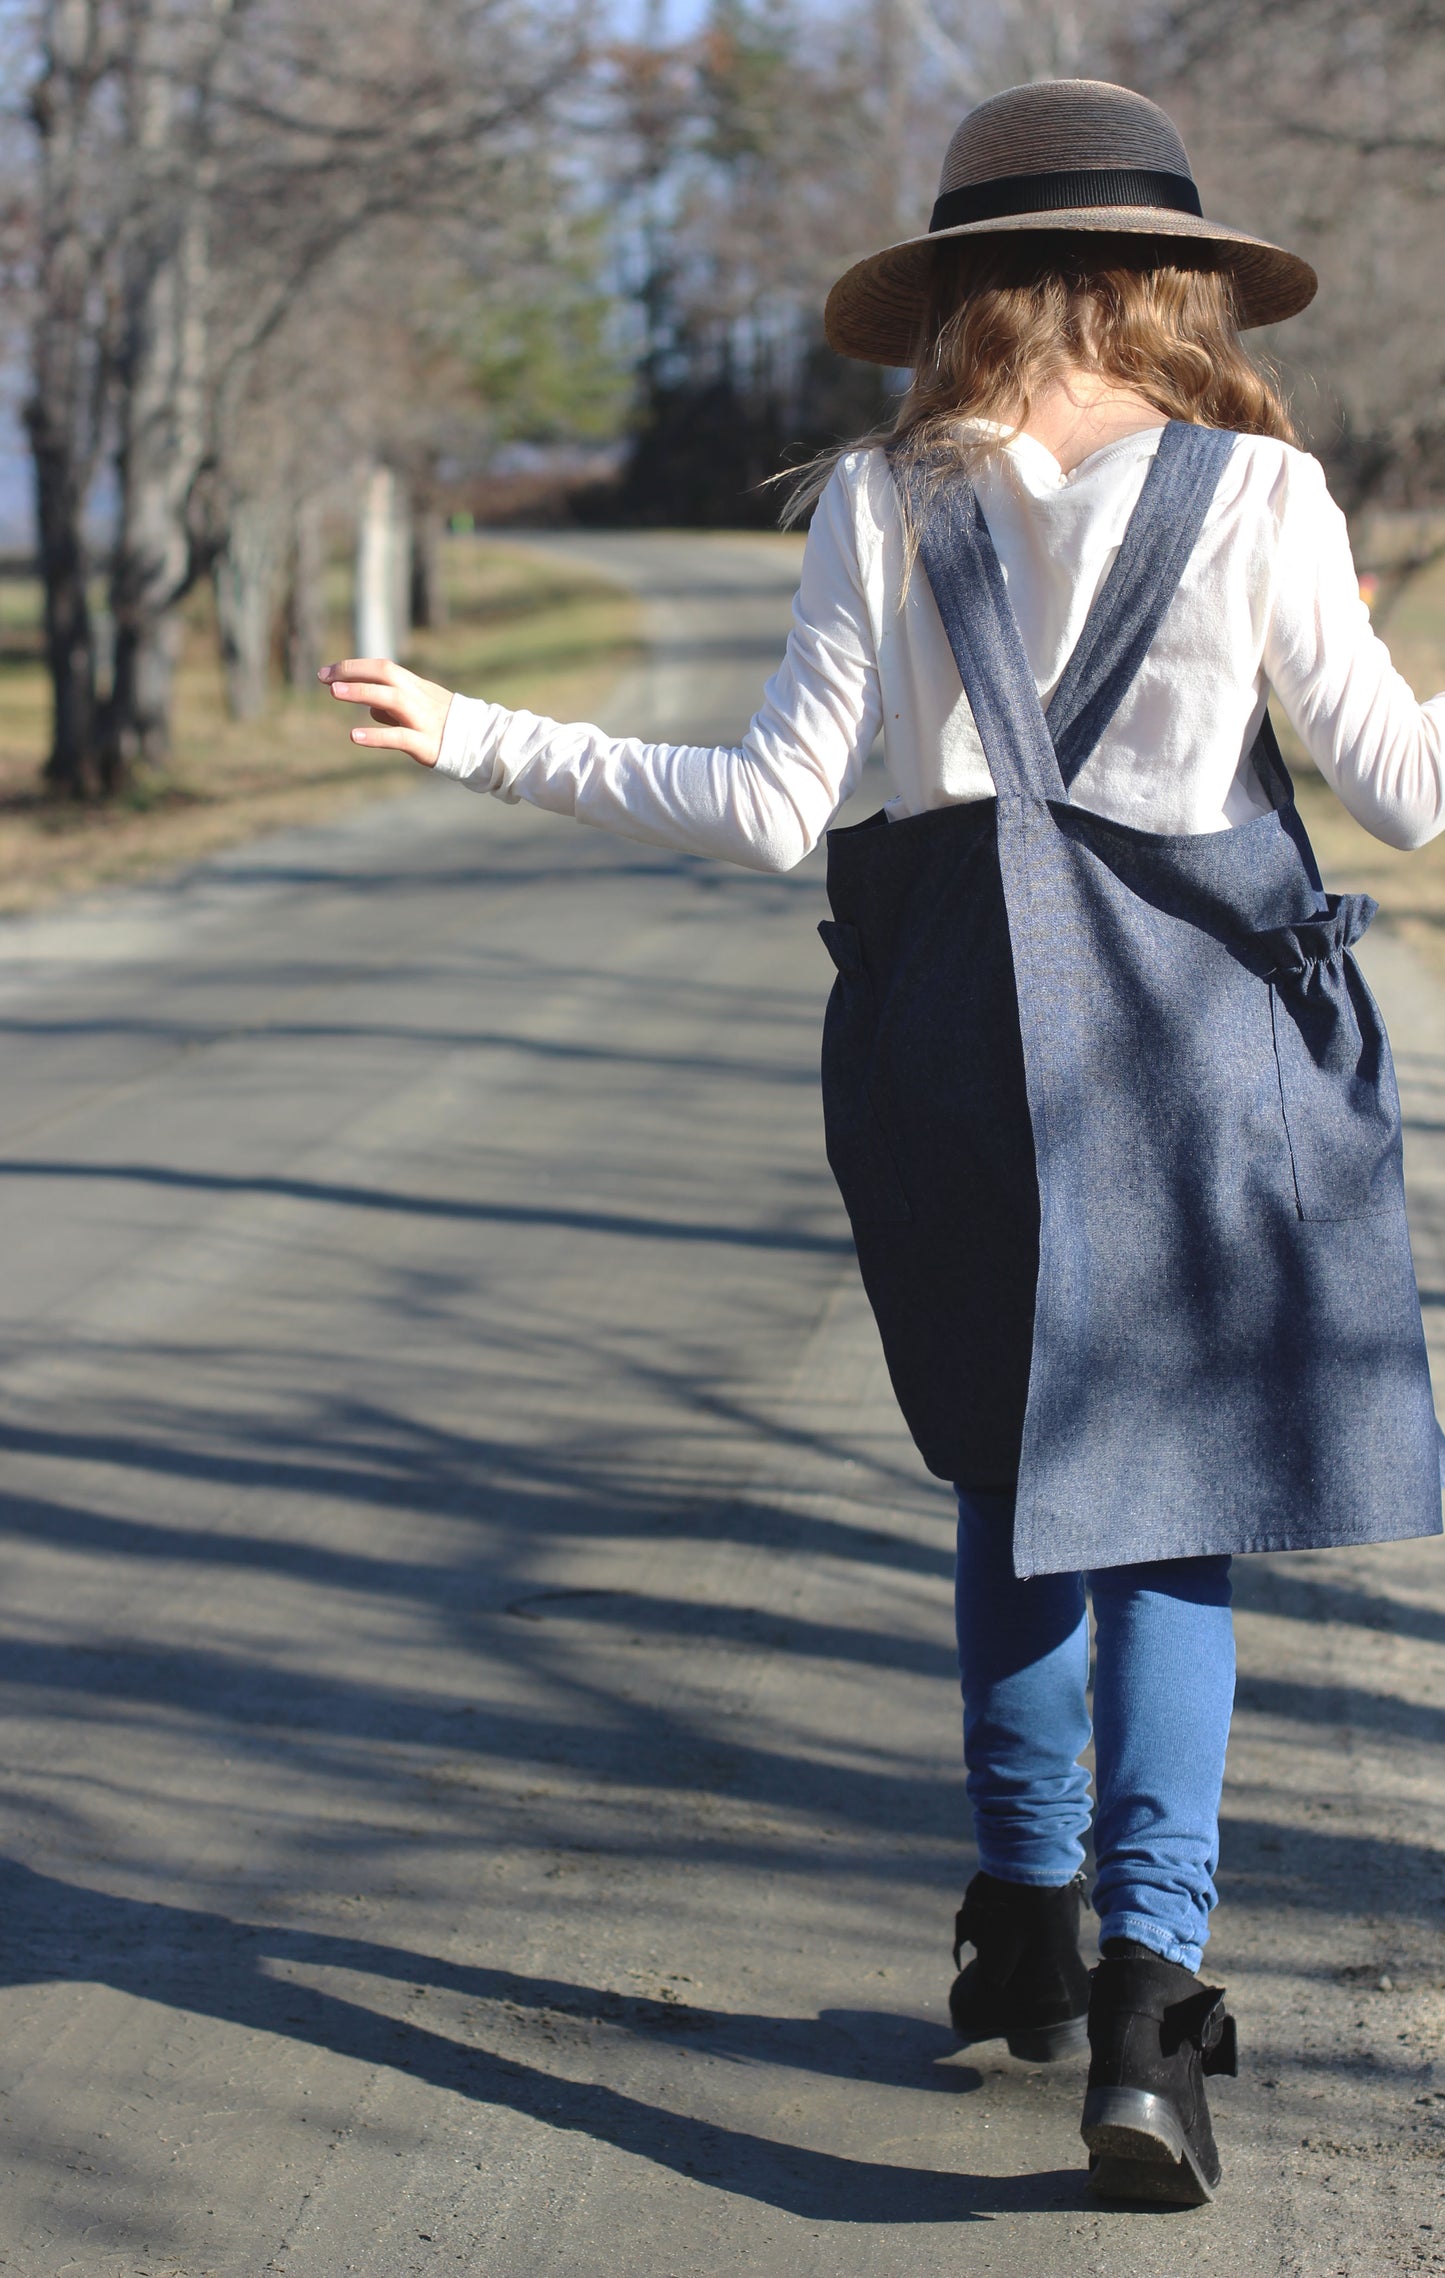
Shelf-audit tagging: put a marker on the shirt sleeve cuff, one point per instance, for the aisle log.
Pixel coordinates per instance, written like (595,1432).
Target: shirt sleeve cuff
(469,742)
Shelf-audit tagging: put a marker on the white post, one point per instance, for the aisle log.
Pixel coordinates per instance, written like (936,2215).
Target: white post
(382,566)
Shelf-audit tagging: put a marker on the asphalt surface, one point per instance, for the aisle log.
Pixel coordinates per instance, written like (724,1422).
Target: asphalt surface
(481,1786)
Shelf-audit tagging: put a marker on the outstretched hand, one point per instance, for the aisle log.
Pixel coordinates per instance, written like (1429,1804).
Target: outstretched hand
(410,712)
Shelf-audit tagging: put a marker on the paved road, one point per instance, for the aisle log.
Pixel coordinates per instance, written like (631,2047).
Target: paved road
(480,1786)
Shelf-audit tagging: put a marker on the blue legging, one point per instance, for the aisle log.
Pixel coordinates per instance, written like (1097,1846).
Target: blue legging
(1163,1692)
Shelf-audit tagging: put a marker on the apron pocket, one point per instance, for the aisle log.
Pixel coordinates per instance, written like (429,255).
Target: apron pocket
(858,1153)
(1336,1079)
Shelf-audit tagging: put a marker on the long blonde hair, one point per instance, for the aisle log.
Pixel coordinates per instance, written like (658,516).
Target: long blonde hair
(1006,317)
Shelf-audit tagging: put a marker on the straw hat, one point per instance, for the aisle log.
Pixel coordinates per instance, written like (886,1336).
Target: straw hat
(1061,154)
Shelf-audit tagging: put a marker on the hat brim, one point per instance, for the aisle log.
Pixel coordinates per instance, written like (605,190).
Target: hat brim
(876,310)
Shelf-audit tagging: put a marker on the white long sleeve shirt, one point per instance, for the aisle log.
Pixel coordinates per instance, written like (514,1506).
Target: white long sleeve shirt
(1269,600)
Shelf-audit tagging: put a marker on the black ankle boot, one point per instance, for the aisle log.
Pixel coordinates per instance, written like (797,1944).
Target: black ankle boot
(1027,1983)
(1154,2033)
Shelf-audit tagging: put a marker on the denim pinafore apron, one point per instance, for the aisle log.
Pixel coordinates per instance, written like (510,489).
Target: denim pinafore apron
(1115,1120)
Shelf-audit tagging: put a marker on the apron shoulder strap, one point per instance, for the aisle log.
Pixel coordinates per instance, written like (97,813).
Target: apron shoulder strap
(967,583)
(1026,753)
(1129,607)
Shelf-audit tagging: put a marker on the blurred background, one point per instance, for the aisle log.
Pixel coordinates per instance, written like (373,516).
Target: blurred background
(302,295)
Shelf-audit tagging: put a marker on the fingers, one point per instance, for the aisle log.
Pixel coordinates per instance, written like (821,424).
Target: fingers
(410,713)
(384,669)
(373,692)
(414,742)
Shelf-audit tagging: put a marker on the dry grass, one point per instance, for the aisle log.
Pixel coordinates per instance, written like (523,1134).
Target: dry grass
(521,630)
(1410,888)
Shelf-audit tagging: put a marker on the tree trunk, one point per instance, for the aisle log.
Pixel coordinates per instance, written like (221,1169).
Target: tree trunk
(163,369)
(428,589)
(246,574)
(162,449)
(68,377)
(305,650)
(382,566)
(69,635)
(136,717)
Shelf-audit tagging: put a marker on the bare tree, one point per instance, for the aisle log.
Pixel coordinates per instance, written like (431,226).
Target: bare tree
(304,603)
(1319,123)
(71,356)
(248,571)
(203,162)
(169,74)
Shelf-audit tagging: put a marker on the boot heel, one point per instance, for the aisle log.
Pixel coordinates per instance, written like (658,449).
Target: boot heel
(1046,2044)
(1027,1984)
(1140,2150)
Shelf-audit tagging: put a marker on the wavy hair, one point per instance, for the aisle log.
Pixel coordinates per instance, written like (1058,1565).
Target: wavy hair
(1008,316)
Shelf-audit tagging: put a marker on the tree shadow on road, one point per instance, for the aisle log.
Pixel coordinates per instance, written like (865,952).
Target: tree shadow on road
(334,1194)
(210,1965)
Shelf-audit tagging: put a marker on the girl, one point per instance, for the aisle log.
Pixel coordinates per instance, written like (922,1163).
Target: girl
(1108,1101)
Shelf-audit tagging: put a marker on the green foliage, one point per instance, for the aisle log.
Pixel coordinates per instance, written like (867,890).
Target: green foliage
(544,354)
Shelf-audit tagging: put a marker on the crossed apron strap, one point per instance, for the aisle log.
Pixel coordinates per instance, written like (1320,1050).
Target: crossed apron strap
(1129,607)
(1028,755)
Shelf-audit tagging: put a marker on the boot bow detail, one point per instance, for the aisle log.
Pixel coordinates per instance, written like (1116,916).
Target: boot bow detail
(1027,1984)
(1155,2032)
(1204,2020)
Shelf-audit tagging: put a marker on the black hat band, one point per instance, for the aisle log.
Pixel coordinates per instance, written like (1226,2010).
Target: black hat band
(1057,193)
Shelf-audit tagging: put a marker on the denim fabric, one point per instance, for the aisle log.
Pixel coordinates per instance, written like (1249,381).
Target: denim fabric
(1163,1693)
(1115,1120)
(1178,489)
(927,1125)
